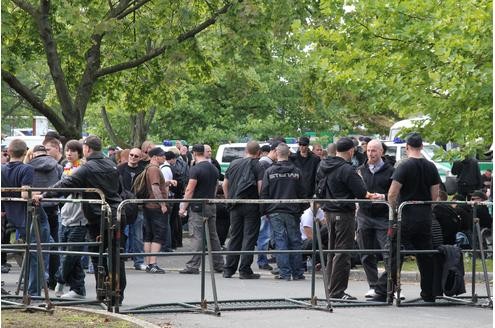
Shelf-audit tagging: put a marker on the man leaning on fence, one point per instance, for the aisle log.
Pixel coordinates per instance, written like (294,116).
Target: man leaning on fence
(98,172)
(414,179)
(16,174)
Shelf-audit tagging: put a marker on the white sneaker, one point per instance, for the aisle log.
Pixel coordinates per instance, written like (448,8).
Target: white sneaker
(402,296)
(73,294)
(59,289)
(370,294)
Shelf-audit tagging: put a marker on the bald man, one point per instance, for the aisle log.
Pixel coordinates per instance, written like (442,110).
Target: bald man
(372,220)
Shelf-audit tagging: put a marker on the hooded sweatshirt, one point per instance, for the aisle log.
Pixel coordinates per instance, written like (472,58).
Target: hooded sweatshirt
(343,182)
(47,172)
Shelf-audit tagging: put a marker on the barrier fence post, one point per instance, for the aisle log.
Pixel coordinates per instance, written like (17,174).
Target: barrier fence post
(203,258)
(314,301)
(206,224)
(398,256)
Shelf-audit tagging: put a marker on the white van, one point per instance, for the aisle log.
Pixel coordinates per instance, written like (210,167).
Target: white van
(30,141)
(226,153)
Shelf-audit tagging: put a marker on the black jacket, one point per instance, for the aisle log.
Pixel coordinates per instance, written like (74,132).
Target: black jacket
(282,180)
(343,182)
(98,172)
(378,182)
(468,175)
(308,166)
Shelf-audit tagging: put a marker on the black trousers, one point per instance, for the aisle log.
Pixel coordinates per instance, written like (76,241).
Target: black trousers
(54,259)
(341,228)
(175,226)
(415,235)
(244,230)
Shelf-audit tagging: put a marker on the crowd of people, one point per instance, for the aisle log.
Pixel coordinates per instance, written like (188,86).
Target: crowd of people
(350,169)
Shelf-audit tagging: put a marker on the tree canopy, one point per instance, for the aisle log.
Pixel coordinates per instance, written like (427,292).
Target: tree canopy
(217,71)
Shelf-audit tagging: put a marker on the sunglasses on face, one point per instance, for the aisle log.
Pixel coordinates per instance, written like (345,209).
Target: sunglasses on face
(134,155)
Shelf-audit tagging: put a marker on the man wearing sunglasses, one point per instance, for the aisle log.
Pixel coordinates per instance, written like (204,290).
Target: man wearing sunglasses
(128,171)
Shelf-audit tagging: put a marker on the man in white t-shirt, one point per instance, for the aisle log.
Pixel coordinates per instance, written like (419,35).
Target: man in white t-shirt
(306,227)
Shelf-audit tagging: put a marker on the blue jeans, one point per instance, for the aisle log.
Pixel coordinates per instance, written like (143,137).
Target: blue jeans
(135,240)
(35,283)
(71,271)
(264,239)
(287,237)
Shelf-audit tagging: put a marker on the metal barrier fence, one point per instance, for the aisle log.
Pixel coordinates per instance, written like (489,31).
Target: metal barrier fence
(111,288)
(33,224)
(476,242)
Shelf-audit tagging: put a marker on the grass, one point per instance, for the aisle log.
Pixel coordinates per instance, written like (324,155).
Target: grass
(60,318)
(410,264)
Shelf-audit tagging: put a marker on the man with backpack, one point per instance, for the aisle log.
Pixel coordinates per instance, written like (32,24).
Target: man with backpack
(156,219)
(243,180)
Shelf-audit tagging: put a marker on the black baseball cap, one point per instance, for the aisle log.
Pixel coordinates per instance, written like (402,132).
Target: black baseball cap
(344,144)
(93,142)
(414,140)
(157,151)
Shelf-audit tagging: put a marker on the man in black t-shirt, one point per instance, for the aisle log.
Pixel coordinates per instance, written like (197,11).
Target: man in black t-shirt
(243,181)
(414,179)
(203,180)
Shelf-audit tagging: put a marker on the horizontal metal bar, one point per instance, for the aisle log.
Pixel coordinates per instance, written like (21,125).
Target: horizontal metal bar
(50,245)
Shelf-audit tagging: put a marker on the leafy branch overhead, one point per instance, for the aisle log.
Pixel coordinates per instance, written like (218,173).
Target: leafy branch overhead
(73,95)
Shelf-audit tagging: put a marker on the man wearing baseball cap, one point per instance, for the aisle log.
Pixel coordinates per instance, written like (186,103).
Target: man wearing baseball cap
(340,181)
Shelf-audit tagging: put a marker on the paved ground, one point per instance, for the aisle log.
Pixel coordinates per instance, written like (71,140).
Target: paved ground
(144,288)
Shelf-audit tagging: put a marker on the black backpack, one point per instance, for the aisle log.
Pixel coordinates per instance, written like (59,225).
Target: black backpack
(130,211)
(139,187)
(244,169)
(322,190)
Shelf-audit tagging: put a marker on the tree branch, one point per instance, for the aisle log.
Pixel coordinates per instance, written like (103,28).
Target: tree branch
(53,61)
(33,100)
(25,6)
(111,133)
(138,4)
(153,53)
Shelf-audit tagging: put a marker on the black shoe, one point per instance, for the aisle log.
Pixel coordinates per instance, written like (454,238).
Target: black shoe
(5,268)
(275,271)
(153,268)
(189,271)
(265,267)
(220,270)
(377,298)
(346,297)
(429,299)
(227,275)
(301,277)
(279,277)
(249,276)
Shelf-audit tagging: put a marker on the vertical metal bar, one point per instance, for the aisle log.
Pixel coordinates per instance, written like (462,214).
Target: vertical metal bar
(111,263)
(118,234)
(21,275)
(474,297)
(398,254)
(323,265)
(203,258)
(483,263)
(100,270)
(210,259)
(313,254)
(27,257)
(388,269)
(41,261)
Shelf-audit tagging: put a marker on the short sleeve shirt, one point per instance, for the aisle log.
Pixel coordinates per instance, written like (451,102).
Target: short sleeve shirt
(154,176)
(206,175)
(307,220)
(416,175)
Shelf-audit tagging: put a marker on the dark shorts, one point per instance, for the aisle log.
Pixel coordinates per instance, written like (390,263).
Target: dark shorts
(154,225)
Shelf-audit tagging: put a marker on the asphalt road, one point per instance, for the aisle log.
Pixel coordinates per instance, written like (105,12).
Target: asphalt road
(145,288)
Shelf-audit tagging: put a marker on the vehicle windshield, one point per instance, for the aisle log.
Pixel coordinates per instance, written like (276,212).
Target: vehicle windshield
(232,153)
(430,151)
